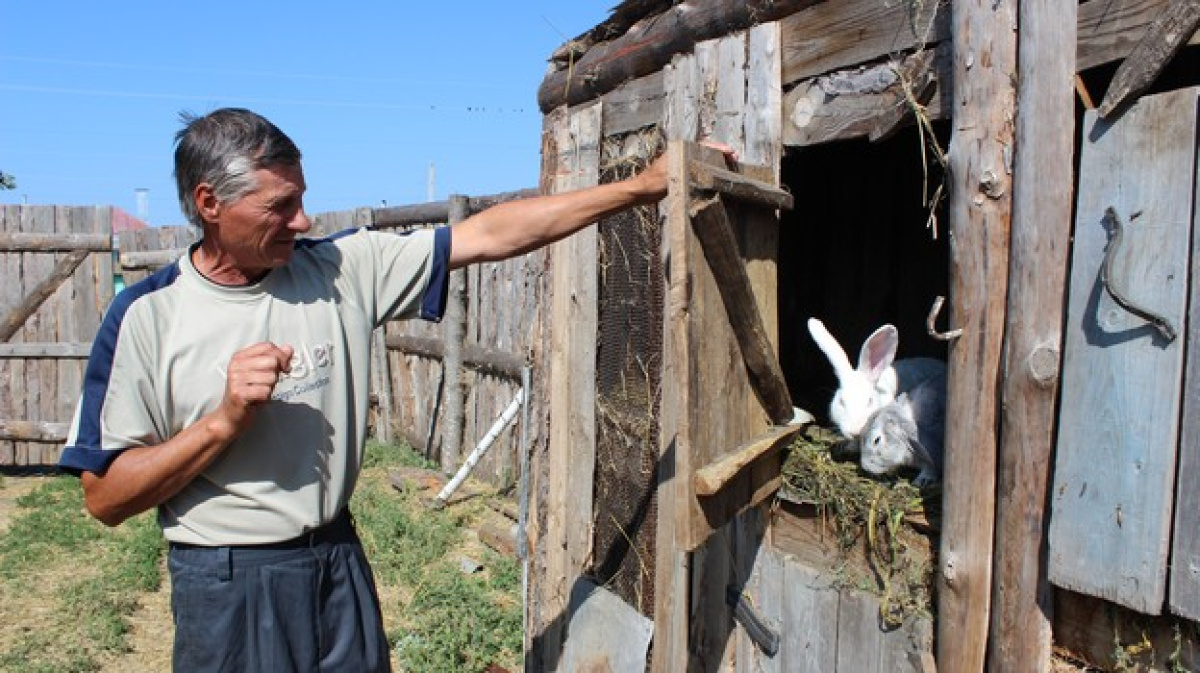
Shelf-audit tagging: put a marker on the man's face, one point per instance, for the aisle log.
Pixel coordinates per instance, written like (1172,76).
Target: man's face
(258,231)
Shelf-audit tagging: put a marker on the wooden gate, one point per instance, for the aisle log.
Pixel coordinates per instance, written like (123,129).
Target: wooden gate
(57,270)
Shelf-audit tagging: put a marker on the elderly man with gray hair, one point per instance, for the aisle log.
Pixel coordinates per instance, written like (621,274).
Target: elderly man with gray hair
(229,391)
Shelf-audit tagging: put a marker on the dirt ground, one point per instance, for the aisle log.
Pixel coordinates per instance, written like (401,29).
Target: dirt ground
(150,636)
(152,631)
(12,488)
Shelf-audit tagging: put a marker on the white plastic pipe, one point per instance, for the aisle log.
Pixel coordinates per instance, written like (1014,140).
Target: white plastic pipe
(484,444)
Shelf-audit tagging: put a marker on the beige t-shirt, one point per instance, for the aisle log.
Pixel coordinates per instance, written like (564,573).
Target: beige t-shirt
(158,365)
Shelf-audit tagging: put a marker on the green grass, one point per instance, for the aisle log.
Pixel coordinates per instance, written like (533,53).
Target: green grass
(458,624)
(443,619)
(85,579)
(68,584)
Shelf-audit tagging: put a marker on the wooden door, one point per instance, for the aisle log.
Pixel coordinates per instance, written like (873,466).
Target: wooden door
(724,388)
(1123,377)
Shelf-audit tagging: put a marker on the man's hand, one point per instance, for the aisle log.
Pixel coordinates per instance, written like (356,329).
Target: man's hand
(516,227)
(652,181)
(250,379)
(144,477)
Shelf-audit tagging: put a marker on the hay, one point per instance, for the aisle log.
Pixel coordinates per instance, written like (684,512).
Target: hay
(887,518)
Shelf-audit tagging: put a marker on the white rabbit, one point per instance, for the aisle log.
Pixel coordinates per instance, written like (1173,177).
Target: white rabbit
(909,432)
(876,381)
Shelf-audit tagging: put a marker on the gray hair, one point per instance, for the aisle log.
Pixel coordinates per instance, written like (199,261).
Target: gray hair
(224,148)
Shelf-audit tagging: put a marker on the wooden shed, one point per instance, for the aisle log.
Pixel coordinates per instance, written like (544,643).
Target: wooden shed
(1034,163)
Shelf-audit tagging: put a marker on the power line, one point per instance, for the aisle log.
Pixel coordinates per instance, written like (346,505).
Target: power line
(246,73)
(115,93)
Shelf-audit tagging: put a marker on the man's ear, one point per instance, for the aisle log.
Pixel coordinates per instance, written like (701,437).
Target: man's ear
(206,202)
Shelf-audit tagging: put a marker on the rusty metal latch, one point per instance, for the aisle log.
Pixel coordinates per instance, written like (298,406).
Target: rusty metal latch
(1116,290)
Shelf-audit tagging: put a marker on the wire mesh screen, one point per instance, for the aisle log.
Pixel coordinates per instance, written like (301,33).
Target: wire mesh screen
(629,355)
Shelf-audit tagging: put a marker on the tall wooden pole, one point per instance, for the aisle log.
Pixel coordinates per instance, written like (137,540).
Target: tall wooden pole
(1041,227)
(980,209)
(455,333)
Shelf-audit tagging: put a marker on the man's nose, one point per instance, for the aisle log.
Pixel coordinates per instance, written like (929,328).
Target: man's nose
(300,223)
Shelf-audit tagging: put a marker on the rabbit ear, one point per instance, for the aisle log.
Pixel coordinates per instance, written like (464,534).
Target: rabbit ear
(878,351)
(832,349)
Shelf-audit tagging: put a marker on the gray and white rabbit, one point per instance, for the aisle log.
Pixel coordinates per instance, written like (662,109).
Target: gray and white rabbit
(909,432)
(877,379)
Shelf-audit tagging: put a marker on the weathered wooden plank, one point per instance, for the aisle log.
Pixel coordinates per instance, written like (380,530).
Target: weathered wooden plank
(649,45)
(1118,425)
(1109,637)
(860,640)
(61,350)
(855,104)
(538,475)
(11,371)
(635,104)
(832,35)
(707,177)
(144,251)
(17,316)
(60,406)
(485,360)
(762,145)
(715,235)
(762,120)
(41,432)
(671,562)
(1109,30)
(454,327)
(1020,639)
(434,212)
(33,431)
(79,317)
(910,648)
(768,582)
(64,241)
(381,384)
(1166,35)
(851,103)
(749,534)
(1185,550)
(52,270)
(710,478)
(573,319)
(979,208)
(710,622)
(150,259)
(741,101)
(100,293)
(810,623)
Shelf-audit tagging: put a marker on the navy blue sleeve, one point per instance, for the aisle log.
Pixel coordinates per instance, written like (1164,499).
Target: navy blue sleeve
(85,450)
(433,305)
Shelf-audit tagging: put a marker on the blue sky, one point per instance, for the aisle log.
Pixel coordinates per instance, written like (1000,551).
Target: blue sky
(374,93)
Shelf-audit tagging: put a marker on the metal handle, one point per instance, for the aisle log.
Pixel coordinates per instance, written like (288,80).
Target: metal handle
(1116,289)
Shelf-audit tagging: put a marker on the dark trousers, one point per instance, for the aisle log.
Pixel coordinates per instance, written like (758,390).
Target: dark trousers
(304,605)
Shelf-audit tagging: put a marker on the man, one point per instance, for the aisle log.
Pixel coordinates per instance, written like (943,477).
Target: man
(229,391)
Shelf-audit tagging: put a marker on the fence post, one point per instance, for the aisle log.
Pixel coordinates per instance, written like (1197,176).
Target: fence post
(455,333)
(381,362)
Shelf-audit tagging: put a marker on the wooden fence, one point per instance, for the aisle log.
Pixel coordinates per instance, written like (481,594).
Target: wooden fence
(56,263)
(60,268)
